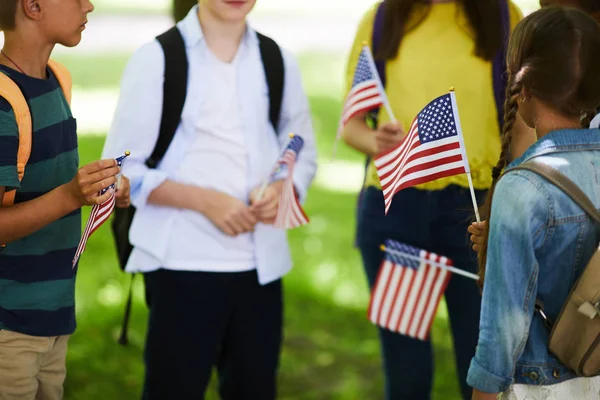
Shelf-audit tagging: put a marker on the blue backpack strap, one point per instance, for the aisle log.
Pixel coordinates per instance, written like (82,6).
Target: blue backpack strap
(375,46)
(500,76)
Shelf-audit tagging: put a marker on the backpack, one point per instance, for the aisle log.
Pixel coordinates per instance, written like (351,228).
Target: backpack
(500,77)
(575,335)
(11,92)
(174,92)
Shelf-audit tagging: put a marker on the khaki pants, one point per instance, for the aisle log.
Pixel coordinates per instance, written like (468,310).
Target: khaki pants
(32,368)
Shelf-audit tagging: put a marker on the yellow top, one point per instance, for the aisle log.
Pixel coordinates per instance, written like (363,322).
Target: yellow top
(439,54)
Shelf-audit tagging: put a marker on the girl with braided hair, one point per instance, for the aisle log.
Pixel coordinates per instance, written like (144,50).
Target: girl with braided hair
(539,240)
(521,143)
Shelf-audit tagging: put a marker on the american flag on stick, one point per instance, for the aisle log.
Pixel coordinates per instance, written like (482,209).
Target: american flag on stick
(408,289)
(432,149)
(290,213)
(367,92)
(99,214)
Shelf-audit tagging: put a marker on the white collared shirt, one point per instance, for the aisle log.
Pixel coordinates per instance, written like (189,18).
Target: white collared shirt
(232,155)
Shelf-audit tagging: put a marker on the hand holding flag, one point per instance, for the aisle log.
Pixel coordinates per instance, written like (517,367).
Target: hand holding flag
(99,214)
(433,148)
(367,92)
(289,211)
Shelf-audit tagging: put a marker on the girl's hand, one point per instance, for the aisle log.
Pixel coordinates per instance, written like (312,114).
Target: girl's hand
(388,136)
(476,230)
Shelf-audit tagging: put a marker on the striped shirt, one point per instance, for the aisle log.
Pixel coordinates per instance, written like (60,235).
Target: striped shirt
(37,281)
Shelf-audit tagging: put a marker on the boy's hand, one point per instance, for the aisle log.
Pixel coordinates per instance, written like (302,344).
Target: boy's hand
(388,136)
(265,209)
(476,231)
(232,216)
(122,197)
(90,180)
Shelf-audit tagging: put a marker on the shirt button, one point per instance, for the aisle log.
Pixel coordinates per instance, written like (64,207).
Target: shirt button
(534,376)
(556,373)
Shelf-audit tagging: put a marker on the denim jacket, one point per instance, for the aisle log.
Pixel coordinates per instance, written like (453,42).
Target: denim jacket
(540,242)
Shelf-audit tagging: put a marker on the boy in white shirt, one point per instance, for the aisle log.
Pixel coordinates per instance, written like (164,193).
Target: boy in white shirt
(212,261)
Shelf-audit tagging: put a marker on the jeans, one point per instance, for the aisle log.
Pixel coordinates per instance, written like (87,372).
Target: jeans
(435,221)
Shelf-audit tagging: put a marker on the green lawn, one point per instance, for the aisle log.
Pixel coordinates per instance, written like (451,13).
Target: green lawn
(330,350)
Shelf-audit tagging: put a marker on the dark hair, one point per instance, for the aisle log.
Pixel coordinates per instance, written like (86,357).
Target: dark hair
(8,12)
(483,16)
(590,6)
(554,53)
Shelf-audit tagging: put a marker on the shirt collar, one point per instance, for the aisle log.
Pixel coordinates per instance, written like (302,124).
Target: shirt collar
(191,30)
(561,140)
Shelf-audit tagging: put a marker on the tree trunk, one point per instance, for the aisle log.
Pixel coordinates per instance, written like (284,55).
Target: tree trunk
(181,8)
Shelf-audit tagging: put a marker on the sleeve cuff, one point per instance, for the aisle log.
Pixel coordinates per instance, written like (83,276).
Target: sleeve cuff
(485,381)
(9,178)
(142,187)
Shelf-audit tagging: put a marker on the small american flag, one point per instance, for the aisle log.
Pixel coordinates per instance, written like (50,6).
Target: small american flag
(408,290)
(432,149)
(290,213)
(99,214)
(366,93)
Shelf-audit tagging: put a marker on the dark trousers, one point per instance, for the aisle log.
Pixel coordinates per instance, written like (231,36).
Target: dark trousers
(199,320)
(435,221)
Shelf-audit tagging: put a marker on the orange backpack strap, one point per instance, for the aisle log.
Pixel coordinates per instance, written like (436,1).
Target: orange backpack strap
(12,93)
(64,78)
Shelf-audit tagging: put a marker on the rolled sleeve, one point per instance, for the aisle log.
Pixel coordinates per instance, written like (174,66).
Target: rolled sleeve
(296,118)
(136,121)
(518,223)
(486,381)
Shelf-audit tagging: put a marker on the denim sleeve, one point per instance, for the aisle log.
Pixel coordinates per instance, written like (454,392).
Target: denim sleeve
(9,145)
(518,224)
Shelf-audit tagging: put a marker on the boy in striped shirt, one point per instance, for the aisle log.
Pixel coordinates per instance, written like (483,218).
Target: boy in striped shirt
(43,227)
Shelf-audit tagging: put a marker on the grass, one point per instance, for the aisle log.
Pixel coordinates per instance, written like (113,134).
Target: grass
(330,350)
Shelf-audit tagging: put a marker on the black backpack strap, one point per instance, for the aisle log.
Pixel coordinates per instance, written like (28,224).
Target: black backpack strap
(376,38)
(272,60)
(174,91)
(174,95)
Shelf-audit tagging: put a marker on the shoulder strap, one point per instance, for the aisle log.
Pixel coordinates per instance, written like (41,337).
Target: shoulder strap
(174,91)
(11,92)
(272,60)
(63,76)
(500,77)
(563,183)
(376,38)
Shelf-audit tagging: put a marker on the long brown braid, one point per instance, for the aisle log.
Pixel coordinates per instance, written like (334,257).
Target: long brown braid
(553,56)
(511,108)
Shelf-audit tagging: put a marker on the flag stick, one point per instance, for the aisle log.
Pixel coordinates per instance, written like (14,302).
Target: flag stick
(473,198)
(265,184)
(386,102)
(435,264)
(120,175)
(464,152)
